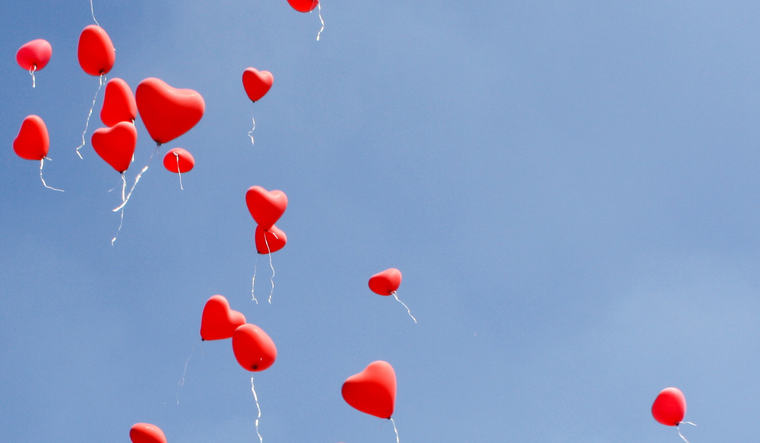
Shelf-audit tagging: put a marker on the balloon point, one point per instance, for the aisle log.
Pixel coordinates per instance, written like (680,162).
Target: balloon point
(255,367)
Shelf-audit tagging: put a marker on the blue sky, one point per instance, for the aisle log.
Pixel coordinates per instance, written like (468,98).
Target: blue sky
(569,189)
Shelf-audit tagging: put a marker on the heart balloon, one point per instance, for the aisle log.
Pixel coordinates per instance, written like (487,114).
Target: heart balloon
(218,320)
(32,141)
(669,407)
(253,348)
(116,145)
(386,282)
(96,52)
(303,5)
(257,83)
(275,240)
(372,391)
(266,207)
(168,112)
(34,55)
(146,433)
(118,103)
(179,160)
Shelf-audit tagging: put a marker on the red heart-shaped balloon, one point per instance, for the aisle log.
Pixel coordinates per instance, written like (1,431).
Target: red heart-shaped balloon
(669,407)
(146,433)
(32,141)
(303,5)
(386,282)
(118,103)
(35,54)
(253,348)
(178,160)
(116,145)
(257,83)
(266,207)
(168,112)
(218,320)
(275,239)
(372,391)
(96,52)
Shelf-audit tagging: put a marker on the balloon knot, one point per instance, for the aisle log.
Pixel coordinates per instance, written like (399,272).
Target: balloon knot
(255,367)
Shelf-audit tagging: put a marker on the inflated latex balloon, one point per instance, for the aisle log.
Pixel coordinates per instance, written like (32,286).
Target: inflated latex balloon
(372,391)
(96,52)
(253,348)
(275,239)
(34,55)
(146,433)
(386,282)
(32,141)
(266,207)
(257,83)
(166,111)
(218,320)
(116,145)
(178,160)
(303,5)
(118,103)
(669,407)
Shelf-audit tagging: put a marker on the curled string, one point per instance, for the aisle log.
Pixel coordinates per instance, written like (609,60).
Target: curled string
(256,398)
(679,431)
(407,307)
(31,72)
(92,11)
(178,171)
(319,11)
(394,428)
(137,179)
(121,222)
(181,381)
(250,133)
(253,280)
(42,163)
(270,263)
(87,123)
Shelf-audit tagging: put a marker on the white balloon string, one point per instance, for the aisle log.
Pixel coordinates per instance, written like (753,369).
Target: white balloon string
(181,381)
(679,430)
(256,398)
(178,172)
(92,11)
(42,163)
(250,133)
(253,280)
(121,222)
(137,179)
(407,307)
(319,11)
(31,72)
(87,123)
(270,265)
(394,428)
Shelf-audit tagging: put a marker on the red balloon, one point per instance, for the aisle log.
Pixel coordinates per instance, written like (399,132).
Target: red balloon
(35,54)
(32,141)
(118,103)
(275,240)
(168,112)
(96,52)
(669,407)
(266,207)
(386,282)
(179,160)
(146,433)
(372,391)
(303,5)
(218,320)
(253,348)
(116,145)
(257,83)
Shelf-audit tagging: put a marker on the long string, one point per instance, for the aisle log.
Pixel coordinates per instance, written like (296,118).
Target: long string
(93,14)
(253,280)
(407,307)
(137,179)
(394,428)
(178,171)
(42,163)
(87,123)
(250,133)
(123,188)
(319,11)
(256,398)
(181,381)
(270,264)
(31,72)
(679,430)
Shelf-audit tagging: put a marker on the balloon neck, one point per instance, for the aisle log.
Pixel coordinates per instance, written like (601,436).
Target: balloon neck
(158,144)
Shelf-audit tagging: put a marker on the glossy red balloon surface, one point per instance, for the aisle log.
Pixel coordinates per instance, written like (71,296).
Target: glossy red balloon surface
(146,433)
(32,141)
(218,320)
(179,160)
(372,391)
(35,54)
(669,407)
(96,52)
(118,103)
(275,240)
(303,5)
(266,207)
(257,83)
(386,282)
(116,145)
(253,348)
(166,111)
